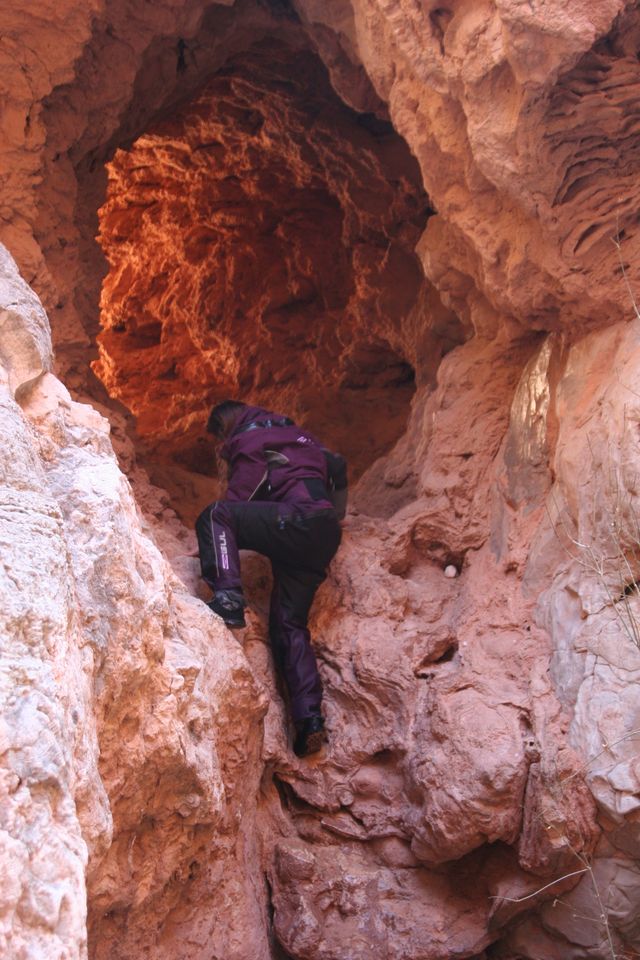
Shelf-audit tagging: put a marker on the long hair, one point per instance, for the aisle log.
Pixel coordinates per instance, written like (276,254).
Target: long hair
(222,417)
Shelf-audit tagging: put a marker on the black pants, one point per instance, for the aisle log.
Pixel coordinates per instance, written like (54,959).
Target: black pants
(300,542)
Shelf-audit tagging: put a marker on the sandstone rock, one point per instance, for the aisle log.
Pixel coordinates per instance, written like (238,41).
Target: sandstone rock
(164,678)
(45,749)
(96,659)
(25,338)
(311,231)
(474,722)
(320,904)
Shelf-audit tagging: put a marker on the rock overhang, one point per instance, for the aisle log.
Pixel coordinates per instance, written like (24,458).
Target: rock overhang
(261,242)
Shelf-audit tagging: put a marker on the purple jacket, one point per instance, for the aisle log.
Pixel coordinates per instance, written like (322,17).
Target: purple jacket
(272,462)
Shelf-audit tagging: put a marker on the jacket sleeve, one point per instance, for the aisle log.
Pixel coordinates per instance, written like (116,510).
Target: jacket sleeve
(338,482)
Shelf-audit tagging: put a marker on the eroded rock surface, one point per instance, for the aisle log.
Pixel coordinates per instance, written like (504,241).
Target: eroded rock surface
(288,224)
(478,794)
(111,728)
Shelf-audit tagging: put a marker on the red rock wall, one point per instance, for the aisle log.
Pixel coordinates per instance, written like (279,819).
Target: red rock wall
(482,728)
(261,243)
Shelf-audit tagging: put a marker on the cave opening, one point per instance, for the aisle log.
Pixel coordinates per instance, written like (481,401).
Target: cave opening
(260,239)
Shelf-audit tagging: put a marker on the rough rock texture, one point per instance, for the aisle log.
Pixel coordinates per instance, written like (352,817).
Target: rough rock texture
(45,752)
(117,687)
(479,793)
(291,246)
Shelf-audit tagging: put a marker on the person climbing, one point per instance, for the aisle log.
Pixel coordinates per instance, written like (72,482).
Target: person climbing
(286,495)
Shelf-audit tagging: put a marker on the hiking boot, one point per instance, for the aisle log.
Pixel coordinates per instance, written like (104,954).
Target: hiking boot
(309,736)
(229,604)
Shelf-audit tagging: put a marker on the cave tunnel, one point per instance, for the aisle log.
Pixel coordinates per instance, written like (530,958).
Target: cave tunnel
(260,238)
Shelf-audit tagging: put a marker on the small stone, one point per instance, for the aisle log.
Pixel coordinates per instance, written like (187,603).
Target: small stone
(451,571)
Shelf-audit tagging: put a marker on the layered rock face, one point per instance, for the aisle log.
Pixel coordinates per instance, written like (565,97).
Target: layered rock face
(478,795)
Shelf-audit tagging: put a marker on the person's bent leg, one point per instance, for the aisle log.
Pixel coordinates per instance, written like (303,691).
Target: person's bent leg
(220,561)
(217,543)
(224,528)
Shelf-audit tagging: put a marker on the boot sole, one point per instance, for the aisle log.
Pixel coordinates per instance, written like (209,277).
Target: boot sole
(233,623)
(315,742)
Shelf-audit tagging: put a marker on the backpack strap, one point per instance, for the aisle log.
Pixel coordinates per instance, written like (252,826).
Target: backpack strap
(265,424)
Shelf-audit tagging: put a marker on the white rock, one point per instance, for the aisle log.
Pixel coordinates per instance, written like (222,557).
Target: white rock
(25,338)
